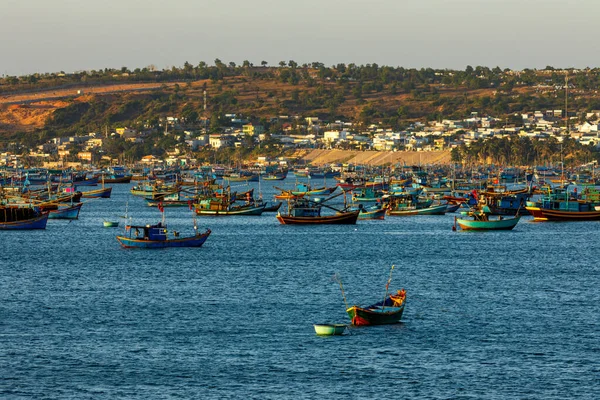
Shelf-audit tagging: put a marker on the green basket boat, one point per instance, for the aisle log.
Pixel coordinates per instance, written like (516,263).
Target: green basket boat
(330,329)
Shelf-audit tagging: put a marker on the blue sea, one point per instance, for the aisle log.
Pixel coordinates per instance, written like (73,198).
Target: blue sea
(489,315)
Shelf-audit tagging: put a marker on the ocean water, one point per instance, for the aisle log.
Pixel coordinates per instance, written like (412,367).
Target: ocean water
(491,315)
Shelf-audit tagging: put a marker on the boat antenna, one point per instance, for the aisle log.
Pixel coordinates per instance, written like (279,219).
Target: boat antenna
(387,286)
(338,279)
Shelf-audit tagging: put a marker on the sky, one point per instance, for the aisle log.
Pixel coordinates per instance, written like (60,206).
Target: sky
(68,35)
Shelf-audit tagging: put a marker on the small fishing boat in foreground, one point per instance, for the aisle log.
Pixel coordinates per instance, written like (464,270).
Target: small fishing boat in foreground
(156,237)
(384,312)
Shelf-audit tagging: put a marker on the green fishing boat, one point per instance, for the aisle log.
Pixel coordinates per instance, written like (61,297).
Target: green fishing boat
(481,220)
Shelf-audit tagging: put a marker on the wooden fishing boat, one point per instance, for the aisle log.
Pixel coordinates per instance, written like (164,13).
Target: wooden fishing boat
(372,212)
(275,177)
(388,311)
(214,208)
(308,212)
(169,203)
(22,218)
(156,237)
(306,190)
(68,211)
(273,208)
(482,222)
(117,179)
(241,178)
(98,193)
(111,224)
(414,210)
(330,329)
(287,196)
(345,218)
(450,208)
(559,205)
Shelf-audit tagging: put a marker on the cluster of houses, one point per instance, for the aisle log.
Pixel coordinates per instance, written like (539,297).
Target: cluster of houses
(310,133)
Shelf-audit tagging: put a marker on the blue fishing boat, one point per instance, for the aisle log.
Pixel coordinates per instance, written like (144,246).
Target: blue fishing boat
(68,211)
(22,218)
(157,237)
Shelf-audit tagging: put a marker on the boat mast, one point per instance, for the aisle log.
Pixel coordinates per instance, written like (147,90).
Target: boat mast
(387,286)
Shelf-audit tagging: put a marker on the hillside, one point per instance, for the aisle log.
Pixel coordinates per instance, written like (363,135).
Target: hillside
(255,98)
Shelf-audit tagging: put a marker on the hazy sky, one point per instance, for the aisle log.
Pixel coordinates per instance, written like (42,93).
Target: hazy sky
(69,35)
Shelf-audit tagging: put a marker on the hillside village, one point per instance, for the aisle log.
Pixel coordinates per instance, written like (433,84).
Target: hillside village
(311,133)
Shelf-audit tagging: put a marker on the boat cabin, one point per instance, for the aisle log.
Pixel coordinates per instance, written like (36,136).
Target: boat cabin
(156,232)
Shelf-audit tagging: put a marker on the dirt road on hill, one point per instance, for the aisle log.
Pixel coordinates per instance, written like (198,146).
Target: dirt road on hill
(321,157)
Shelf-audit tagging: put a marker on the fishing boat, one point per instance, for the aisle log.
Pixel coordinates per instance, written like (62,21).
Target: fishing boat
(98,193)
(157,237)
(221,207)
(330,329)
(308,212)
(559,205)
(450,208)
(304,190)
(111,224)
(480,220)
(287,196)
(272,208)
(241,177)
(66,211)
(370,212)
(275,176)
(22,218)
(408,210)
(388,311)
(407,204)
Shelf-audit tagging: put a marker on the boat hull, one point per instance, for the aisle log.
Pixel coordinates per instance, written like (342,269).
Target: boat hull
(436,210)
(385,316)
(28,224)
(493,225)
(225,213)
(99,193)
(71,212)
(337,219)
(378,214)
(542,214)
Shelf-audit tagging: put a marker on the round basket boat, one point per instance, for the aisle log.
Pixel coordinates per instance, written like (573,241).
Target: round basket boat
(330,329)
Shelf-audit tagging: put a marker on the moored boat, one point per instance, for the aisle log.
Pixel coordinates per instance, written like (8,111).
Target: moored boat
(388,311)
(480,221)
(68,211)
(22,218)
(156,237)
(307,212)
(98,193)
